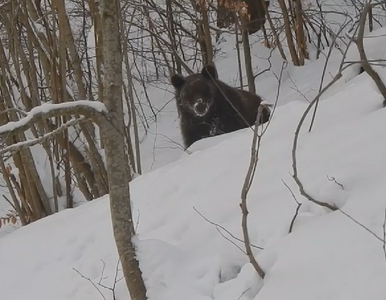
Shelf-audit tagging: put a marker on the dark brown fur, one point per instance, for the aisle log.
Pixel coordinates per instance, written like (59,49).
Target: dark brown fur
(208,106)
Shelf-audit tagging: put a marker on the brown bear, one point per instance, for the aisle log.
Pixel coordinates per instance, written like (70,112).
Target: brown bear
(208,107)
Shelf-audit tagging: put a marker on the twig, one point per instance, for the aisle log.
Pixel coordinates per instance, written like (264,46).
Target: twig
(297,208)
(112,289)
(332,179)
(218,227)
(325,70)
(363,226)
(93,284)
(369,231)
(232,242)
(294,217)
(103,271)
(279,80)
(292,193)
(246,291)
(256,142)
(9,202)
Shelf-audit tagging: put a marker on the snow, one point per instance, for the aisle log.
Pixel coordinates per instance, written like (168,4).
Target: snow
(47,107)
(183,254)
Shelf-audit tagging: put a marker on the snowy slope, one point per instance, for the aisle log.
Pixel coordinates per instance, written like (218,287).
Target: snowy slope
(184,256)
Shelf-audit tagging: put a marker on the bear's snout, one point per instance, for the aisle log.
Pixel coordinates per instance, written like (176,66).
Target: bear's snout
(200,108)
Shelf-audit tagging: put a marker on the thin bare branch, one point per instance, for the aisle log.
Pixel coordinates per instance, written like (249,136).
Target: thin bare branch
(226,230)
(299,205)
(48,136)
(89,280)
(256,142)
(91,109)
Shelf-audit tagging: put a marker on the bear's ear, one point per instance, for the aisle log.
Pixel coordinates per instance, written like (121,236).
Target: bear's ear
(210,72)
(177,81)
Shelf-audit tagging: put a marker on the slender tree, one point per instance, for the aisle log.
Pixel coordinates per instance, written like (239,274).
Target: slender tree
(113,134)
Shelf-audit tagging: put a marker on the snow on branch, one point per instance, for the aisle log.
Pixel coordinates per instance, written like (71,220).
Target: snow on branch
(25,144)
(89,109)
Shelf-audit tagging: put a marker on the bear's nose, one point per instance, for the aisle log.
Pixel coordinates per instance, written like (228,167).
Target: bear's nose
(200,108)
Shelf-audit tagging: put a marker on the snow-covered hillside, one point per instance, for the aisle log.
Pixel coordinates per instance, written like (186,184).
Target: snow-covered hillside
(183,253)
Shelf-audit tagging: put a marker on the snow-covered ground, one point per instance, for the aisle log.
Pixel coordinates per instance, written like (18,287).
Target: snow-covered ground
(183,253)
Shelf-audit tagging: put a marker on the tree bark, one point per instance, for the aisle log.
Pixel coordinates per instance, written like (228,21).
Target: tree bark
(256,12)
(247,53)
(225,17)
(113,135)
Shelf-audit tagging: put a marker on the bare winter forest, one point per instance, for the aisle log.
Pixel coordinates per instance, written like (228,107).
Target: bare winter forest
(75,74)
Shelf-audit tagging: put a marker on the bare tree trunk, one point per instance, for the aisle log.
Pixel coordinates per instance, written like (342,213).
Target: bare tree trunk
(117,161)
(255,9)
(274,31)
(238,50)
(288,33)
(206,32)
(257,15)
(302,47)
(224,15)
(364,61)
(172,33)
(247,52)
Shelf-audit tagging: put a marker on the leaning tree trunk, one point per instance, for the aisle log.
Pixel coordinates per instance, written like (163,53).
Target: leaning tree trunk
(113,134)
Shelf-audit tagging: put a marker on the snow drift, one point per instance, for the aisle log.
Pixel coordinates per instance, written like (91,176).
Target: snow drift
(183,253)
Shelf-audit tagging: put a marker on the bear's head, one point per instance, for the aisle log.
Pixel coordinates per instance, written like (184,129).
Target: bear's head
(195,93)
